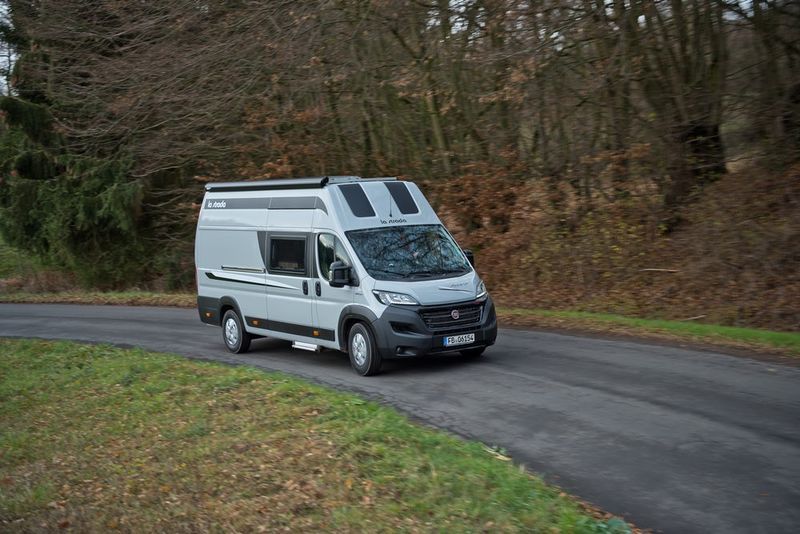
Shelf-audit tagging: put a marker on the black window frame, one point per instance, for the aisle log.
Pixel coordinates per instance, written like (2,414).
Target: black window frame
(318,264)
(288,237)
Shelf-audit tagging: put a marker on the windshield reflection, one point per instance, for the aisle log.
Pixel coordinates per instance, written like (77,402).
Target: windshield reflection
(399,252)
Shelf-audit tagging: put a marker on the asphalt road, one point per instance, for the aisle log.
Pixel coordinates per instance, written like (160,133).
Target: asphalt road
(674,440)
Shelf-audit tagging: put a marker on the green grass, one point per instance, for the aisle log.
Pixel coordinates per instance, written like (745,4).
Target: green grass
(127,298)
(787,341)
(95,438)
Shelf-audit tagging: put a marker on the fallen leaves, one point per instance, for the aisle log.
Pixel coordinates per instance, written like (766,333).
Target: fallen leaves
(126,461)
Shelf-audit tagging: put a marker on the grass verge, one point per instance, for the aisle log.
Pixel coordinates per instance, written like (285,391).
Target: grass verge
(97,438)
(119,298)
(787,343)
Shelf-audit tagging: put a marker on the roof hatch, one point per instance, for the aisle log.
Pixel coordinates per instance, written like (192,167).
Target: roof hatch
(402,197)
(357,200)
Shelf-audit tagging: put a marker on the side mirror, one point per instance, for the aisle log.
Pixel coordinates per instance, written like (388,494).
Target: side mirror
(341,274)
(470,256)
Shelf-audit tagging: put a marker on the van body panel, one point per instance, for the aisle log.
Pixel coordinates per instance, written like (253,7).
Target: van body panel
(329,300)
(231,264)
(438,291)
(384,206)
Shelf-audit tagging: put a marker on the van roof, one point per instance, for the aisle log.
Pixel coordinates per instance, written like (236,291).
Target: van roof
(291,183)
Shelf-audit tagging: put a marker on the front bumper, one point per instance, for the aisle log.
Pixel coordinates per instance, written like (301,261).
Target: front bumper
(401,332)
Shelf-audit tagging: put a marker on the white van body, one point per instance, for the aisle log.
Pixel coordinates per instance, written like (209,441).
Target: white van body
(359,265)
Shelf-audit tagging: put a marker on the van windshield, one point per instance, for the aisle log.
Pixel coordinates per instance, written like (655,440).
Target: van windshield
(408,252)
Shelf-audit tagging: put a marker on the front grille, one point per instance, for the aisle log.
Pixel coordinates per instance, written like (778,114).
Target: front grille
(441,318)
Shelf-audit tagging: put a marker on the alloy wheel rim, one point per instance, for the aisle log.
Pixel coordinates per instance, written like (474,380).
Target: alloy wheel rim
(231,332)
(359,348)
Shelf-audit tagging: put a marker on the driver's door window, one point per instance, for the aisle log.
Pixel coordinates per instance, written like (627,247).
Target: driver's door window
(329,250)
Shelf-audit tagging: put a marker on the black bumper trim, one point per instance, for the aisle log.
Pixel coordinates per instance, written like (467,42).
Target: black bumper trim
(208,308)
(401,332)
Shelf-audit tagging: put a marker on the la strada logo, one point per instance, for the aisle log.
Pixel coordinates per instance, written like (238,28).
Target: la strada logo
(216,204)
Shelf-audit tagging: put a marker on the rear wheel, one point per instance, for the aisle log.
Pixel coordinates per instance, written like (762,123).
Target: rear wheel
(234,335)
(473,353)
(364,357)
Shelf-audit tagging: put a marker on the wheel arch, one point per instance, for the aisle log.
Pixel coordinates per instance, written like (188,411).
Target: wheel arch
(229,303)
(353,314)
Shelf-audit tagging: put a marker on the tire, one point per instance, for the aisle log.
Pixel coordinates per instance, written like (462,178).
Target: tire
(364,357)
(473,353)
(235,337)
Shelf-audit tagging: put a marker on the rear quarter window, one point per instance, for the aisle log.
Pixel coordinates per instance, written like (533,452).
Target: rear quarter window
(287,255)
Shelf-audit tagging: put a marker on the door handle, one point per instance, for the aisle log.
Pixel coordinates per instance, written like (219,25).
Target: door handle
(305,287)
(318,289)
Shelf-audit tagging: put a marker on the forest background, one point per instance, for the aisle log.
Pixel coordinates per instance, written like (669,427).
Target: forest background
(635,157)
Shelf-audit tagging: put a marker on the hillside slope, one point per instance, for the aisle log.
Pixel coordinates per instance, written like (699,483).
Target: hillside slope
(734,257)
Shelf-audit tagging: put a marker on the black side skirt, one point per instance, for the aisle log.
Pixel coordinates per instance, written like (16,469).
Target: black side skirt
(289,328)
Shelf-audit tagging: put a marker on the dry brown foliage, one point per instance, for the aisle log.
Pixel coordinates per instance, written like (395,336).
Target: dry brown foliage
(733,259)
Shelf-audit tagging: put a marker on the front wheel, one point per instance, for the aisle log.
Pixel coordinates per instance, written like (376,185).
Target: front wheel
(364,357)
(236,338)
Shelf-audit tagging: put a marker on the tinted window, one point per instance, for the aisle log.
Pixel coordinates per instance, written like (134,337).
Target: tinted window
(287,255)
(357,200)
(402,197)
(329,250)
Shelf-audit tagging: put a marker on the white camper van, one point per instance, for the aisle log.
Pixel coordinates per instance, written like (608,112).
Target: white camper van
(358,265)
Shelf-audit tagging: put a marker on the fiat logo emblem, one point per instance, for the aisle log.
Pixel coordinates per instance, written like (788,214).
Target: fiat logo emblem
(455,315)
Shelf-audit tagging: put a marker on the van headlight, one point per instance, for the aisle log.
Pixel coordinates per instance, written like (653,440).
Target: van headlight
(389,298)
(481,291)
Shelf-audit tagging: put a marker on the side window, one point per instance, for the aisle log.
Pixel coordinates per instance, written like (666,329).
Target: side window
(329,250)
(287,255)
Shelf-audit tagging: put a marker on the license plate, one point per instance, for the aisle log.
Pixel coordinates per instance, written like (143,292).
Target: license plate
(463,339)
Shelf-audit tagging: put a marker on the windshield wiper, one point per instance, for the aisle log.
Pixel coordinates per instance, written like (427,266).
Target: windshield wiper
(394,273)
(453,271)
(438,271)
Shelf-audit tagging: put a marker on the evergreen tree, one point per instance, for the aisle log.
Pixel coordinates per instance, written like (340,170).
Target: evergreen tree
(72,210)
